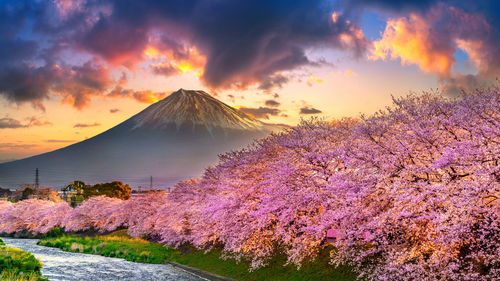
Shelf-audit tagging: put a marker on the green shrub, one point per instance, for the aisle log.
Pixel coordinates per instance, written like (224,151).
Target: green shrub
(16,264)
(8,275)
(55,232)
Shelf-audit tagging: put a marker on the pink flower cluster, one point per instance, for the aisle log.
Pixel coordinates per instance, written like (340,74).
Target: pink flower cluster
(409,193)
(97,213)
(37,216)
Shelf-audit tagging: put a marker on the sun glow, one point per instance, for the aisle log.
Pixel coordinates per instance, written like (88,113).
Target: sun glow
(190,61)
(152,52)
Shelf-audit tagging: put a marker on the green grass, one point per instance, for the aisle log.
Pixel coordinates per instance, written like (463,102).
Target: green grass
(118,244)
(115,245)
(15,264)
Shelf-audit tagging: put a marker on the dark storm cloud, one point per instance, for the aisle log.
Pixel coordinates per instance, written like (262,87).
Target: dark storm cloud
(244,42)
(309,110)
(392,5)
(260,112)
(30,70)
(116,40)
(18,83)
(14,17)
(15,49)
(75,84)
(25,84)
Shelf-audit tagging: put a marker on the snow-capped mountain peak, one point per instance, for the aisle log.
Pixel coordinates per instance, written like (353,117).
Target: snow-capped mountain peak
(172,140)
(188,108)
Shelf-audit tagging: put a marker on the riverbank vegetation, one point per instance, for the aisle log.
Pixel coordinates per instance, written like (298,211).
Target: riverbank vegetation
(411,192)
(18,265)
(120,245)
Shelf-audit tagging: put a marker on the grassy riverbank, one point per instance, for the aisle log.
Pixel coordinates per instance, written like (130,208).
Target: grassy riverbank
(17,265)
(118,244)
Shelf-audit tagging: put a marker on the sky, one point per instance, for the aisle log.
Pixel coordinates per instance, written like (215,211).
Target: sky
(72,69)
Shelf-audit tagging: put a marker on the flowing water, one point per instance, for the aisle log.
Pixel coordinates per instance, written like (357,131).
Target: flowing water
(60,265)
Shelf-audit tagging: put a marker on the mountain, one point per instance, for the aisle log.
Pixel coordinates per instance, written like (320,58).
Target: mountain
(171,140)
(194,109)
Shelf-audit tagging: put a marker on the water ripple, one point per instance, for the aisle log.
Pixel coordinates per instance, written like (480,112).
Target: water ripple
(65,266)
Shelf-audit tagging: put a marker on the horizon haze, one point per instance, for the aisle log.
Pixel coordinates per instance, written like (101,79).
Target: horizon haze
(173,139)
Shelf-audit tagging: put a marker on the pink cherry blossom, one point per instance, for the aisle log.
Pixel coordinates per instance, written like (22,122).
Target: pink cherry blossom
(411,192)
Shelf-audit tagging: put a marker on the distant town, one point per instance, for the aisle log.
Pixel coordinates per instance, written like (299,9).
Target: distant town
(74,192)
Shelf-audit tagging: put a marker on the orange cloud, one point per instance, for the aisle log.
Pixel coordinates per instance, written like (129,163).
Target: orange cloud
(33,121)
(431,40)
(178,61)
(152,52)
(353,37)
(145,96)
(474,50)
(411,41)
(148,96)
(78,84)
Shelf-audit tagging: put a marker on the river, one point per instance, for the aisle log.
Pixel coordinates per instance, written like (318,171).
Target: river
(59,265)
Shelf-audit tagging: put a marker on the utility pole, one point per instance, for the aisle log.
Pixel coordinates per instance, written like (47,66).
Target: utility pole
(151,183)
(37,180)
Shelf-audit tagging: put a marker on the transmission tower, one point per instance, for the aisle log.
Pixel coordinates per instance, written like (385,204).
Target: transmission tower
(37,180)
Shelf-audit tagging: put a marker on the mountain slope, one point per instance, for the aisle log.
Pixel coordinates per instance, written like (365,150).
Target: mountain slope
(195,108)
(171,140)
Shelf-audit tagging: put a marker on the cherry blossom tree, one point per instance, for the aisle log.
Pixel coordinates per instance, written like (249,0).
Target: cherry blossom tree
(34,215)
(175,221)
(411,192)
(98,213)
(139,212)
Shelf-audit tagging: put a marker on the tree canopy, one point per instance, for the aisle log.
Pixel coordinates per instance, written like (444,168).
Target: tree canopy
(115,189)
(410,193)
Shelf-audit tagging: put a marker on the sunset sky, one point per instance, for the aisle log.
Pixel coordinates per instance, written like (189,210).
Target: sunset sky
(72,69)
